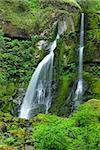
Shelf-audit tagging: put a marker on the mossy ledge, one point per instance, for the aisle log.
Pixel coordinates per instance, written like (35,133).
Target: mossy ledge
(22,18)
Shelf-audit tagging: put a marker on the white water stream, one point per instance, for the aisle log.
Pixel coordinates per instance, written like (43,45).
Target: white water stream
(79,89)
(38,95)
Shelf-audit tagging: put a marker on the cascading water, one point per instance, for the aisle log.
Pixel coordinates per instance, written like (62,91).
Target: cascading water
(38,95)
(79,89)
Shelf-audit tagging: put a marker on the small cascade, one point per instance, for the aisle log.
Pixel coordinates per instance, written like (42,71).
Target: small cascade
(79,88)
(38,95)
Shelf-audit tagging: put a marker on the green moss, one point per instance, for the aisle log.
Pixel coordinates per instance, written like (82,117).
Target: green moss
(60,106)
(93,84)
(72,2)
(7,91)
(92,46)
(26,18)
(6,147)
(20,133)
(59,3)
(65,72)
(93,20)
(92,6)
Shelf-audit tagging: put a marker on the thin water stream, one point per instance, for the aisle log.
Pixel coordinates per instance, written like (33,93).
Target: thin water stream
(79,89)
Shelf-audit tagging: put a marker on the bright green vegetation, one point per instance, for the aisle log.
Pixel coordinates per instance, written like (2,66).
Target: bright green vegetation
(17,58)
(79,131)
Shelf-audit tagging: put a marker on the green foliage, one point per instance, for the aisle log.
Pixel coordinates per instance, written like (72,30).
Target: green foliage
(90,5)
(81,131)
(93,69)
(17,59)
(15,131)
(33,3)
(48,132)
(9,140)
(93,24)
(49,138)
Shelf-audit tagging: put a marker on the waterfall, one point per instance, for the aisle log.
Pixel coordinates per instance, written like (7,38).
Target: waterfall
(38,95)
(79,89)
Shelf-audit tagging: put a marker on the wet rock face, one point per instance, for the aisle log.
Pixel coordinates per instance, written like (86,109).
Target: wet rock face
(13,31)
(19,96)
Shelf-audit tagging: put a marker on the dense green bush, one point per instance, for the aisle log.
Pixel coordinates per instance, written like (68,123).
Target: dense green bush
(17,58)
(80,131)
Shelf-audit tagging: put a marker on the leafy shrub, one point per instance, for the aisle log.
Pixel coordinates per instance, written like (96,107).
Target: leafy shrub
(80,131)
(17,59)
(49,137)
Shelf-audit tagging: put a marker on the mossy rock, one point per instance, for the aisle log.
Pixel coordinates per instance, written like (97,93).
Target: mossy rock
(60,106)
(68,5)
(22,19)
(93,84)
(6,93)
(6,147)
(92,50)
